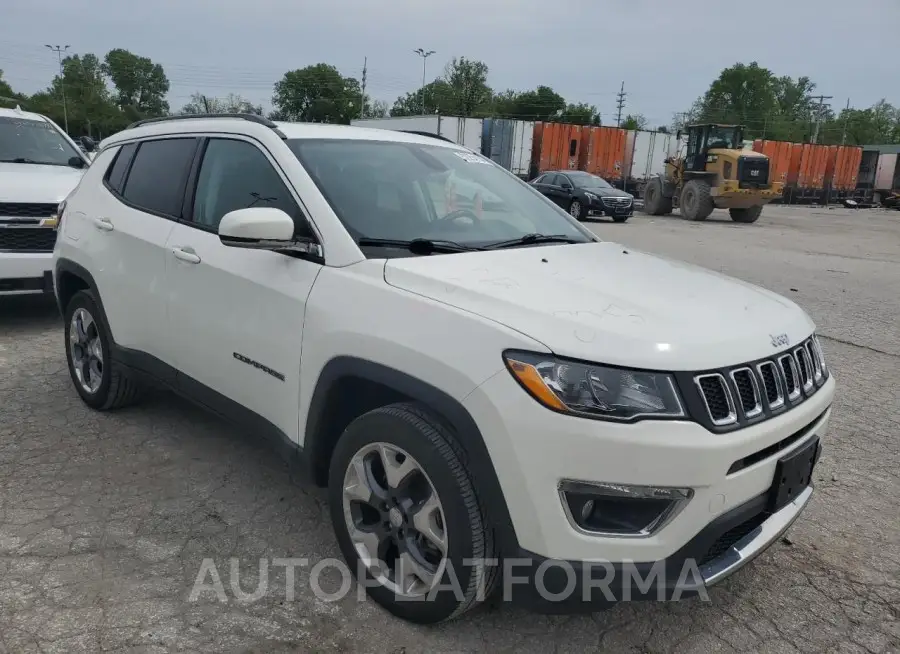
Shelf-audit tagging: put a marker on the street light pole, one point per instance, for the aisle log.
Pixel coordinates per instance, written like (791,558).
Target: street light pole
(62,80)
(424,54)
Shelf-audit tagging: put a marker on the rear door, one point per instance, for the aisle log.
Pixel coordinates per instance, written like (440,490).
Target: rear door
(126,225)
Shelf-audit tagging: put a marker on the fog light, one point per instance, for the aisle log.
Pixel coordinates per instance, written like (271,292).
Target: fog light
(622,510)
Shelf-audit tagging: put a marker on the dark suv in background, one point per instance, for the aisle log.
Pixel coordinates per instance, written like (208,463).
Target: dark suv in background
(584,195)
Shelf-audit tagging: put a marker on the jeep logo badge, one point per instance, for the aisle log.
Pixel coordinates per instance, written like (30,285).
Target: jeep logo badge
(779,340)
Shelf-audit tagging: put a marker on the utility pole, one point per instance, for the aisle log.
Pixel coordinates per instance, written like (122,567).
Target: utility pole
(846,117)
(819,113)
(362,109)
(620,104)
(424,54)
(62,80)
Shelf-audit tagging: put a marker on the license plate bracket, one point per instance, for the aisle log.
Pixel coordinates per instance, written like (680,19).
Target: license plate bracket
(793,474)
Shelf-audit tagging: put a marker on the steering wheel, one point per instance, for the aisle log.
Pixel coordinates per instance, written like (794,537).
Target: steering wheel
(456,215)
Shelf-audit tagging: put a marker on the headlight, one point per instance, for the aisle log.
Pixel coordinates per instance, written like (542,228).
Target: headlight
(595,391)
(591,196)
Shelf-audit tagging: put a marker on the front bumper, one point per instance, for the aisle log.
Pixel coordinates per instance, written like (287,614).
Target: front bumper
(599,208)
(534,449)
(734,539)
(25,272)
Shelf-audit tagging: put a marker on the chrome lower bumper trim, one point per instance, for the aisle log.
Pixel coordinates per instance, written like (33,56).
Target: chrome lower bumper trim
(756,542)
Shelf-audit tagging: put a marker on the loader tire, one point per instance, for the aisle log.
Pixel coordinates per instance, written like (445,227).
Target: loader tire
(696,200)
(748,215)
(655,203)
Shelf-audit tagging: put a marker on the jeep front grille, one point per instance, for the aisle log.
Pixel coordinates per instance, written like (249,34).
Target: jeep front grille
(749,392)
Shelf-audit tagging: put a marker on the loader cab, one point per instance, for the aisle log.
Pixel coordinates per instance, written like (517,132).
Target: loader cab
(703,138)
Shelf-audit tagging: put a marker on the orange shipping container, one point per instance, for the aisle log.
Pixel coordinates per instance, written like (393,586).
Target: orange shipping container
(556,146)
(603,152)
(779,154)
(846,168)
(808,164)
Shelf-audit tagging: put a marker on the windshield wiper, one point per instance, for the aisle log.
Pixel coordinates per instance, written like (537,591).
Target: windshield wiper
(530,239)
(24,160)
(418,245)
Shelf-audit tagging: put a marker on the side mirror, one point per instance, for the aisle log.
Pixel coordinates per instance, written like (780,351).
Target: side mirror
(263,228)
(77,162)
(566,186)
(88,143)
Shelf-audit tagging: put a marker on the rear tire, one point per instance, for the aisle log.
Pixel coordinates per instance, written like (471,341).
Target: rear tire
(102,383)
(747,215)
(425,456)
(655,203)
(696,200)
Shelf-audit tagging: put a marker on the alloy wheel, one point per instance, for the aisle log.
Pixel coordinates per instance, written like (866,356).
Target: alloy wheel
(395,519)
(86,350)
(575,209)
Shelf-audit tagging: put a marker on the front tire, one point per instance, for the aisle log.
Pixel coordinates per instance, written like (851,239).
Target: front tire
(407,516)
(747,215)
(655,203)
(100,382)
(620,219)
(577,210)
(696,200)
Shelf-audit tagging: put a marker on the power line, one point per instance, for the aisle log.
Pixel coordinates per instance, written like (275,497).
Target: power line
(620,103)
(819,114)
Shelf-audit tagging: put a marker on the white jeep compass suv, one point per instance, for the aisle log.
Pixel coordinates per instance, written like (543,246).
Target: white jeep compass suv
(39,166)
(489,392)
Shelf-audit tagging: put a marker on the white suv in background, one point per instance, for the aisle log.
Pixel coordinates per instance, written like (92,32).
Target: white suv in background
(475,382)
(39,166)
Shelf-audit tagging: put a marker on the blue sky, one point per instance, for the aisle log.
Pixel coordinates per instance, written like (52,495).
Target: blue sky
(582,49)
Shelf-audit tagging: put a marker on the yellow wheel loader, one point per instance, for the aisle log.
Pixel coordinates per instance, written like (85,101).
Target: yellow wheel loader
(715,172)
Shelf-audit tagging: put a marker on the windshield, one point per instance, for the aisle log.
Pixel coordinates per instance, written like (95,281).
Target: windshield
(723,137)
(33,141)
(406,191)
(586,180)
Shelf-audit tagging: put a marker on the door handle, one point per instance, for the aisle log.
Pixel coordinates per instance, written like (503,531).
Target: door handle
(186,254)
(103,224)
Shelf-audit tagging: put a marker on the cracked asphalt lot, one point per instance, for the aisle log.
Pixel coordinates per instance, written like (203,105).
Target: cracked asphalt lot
(105,519)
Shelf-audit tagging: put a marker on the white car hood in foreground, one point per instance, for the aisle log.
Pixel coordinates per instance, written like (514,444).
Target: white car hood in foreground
(36,183)
(607,303)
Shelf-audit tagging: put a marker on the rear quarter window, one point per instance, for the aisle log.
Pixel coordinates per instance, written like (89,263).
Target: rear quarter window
(115,175)
(159,174)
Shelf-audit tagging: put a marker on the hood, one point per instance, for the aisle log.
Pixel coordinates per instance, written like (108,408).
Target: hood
(36,183)
(608,192)
(607,303)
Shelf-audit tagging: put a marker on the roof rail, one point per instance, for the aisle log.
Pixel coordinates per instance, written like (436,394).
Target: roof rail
(430,134)
(253,118)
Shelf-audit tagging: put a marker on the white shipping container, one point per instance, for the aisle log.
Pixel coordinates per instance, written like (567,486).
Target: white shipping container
(884,173)
(647,153)
(523,140)
(463,131)
(416,123)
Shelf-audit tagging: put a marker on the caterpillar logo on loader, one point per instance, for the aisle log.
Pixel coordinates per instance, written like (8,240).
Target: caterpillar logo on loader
(715,172)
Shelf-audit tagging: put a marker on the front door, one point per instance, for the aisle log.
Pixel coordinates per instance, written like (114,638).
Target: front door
(237,314)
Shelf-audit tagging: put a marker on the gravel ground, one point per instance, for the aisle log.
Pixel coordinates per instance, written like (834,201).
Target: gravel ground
(105,520)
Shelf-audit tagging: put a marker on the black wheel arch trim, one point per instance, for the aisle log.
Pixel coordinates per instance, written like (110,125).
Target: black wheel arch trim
(67,266)
(318,444)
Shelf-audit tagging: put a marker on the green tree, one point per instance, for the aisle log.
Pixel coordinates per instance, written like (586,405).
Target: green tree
(461,91)
(742,94)
(542,103)
(141,85)
(7,95)
(318,94)
(580,114)
(634,121)
(879,124)
(231,104)
(438,96)
(88,105)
